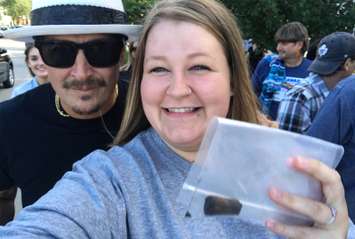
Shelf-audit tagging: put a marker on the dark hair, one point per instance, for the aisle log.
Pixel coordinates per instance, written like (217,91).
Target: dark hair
(29,46)
(293,32)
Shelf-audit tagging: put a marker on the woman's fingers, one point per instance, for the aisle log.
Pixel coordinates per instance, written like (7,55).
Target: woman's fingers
(330,180)
(301,232)
(319,212)
(330,217)
(332,187)
(288,231)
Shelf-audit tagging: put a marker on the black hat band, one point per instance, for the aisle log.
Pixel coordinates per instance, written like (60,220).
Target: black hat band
(77,15)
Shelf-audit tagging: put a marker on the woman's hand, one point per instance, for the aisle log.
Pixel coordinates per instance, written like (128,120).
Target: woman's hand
(331,217)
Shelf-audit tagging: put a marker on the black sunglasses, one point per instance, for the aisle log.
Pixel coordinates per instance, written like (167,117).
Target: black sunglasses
(103,52)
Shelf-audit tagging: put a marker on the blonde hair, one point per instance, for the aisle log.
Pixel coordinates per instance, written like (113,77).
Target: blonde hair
(220,22)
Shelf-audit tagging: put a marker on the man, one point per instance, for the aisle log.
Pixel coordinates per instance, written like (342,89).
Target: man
(334,63)
(335,122)
(275,75)
(44,131)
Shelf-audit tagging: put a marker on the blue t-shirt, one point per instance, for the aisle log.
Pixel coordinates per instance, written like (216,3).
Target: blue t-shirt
(25,86)
(271,81)
(335,122)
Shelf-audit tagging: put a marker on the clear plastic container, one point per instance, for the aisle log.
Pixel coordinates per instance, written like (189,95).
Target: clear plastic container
(239,160)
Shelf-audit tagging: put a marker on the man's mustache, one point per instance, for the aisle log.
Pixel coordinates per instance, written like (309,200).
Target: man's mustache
(92,82)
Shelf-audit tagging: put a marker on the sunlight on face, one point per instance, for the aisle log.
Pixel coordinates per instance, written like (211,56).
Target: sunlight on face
(85,91)
(186,82)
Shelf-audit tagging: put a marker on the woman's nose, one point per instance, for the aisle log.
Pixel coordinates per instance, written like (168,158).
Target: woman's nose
(179,86)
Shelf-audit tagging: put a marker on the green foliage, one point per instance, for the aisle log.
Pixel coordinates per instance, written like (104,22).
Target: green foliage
(260,19)
(17,8)
(136,9)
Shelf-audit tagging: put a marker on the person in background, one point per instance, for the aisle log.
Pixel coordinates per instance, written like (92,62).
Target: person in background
(335,122)
(179,83)
(126,69)
(36,68)
(133,48)
(335,62)
(313,48)
(276,74)
(45,130)
(255,54)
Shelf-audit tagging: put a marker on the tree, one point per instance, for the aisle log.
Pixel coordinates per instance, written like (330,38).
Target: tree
(17,8)
(260,19)
(136,9)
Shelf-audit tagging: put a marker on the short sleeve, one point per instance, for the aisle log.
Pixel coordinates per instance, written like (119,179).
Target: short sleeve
(293,114)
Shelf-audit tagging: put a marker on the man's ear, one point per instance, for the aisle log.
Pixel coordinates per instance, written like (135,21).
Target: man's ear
(300,44)
(347,64)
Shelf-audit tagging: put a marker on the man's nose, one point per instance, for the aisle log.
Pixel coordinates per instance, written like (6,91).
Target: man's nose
(279,47)
(81,68)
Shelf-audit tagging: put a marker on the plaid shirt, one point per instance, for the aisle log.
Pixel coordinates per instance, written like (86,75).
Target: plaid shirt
(301,104)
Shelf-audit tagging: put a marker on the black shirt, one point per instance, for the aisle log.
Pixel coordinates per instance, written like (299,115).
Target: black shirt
(37,145)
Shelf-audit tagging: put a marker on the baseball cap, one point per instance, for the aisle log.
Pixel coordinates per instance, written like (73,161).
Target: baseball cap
(332,52)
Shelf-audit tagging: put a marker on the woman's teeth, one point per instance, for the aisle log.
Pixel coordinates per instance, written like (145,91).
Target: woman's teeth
(181,110)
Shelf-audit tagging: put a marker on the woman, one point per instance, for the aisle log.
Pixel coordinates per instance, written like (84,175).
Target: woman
(180,81)
(36,68)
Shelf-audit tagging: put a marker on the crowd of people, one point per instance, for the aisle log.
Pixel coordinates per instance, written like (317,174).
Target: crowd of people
(100,156)
(293,89)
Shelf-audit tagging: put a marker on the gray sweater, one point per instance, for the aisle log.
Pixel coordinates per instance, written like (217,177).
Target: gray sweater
(127,192)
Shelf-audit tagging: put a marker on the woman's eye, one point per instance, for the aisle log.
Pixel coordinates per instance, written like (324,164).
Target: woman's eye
(158,70)
(200,68)
(34,58)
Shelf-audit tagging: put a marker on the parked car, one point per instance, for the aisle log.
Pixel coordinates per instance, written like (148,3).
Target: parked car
(7,75)
(4,28)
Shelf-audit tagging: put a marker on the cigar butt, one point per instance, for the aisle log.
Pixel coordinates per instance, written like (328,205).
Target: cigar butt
(221,206)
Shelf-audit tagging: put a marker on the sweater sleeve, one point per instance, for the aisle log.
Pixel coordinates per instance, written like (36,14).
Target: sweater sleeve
(85,203)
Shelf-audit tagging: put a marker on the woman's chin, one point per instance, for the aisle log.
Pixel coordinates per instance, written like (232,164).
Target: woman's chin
(184,143)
